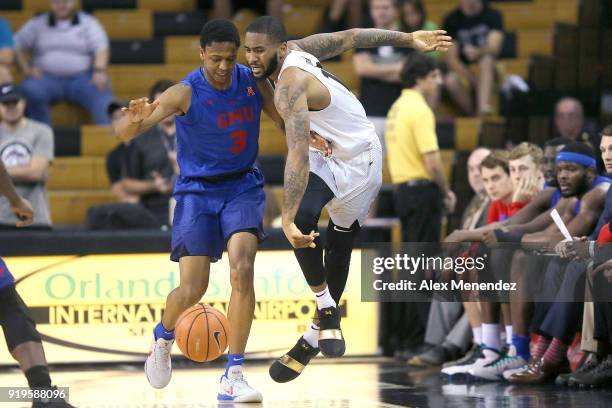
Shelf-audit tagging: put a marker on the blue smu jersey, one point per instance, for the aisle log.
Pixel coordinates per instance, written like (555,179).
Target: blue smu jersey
(220,132)
(5,276)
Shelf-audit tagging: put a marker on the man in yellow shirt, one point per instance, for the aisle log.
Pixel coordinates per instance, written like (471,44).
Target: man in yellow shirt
(413,155)
(421,191)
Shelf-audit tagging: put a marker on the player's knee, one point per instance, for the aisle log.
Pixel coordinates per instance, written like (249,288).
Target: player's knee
(306,219)
(190,295)
(241,277)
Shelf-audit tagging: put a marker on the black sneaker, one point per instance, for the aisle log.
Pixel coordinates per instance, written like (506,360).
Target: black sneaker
(599,376)
(565,380)
(331,341)
(291,365)
(51,402)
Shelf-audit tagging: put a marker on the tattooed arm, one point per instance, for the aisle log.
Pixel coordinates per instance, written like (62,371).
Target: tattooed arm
(292,105)
(324,46)
(19,207)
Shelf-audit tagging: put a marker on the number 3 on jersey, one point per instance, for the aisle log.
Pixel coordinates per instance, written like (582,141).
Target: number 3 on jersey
(239,138)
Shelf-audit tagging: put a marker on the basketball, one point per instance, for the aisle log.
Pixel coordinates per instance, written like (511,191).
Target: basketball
(201,333)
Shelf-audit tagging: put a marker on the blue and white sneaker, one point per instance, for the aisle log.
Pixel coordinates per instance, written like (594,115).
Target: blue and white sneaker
(234,388)
(494,371)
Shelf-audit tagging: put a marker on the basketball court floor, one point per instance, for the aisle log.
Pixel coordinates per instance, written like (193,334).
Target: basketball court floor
(343,383)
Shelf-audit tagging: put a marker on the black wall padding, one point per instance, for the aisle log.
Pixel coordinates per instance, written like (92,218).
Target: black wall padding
(67,141)
(11,5)
(272,167)
(79,242)
(509,47)
(180,23)
(137,52)
(108,4)
(446,134)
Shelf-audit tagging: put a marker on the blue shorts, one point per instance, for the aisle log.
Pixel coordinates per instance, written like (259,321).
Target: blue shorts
(207,214)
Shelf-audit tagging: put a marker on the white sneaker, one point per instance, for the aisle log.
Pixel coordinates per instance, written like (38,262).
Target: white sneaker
(158,367)
(481,358)
(464,366)
(234,388)
(494,371)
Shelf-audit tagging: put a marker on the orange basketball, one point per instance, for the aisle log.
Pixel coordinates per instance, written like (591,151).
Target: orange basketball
(201,333)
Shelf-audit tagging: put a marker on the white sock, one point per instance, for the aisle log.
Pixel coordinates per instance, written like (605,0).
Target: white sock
(490,336)
(324,299)
(508,334)
(477,333)
(312,335)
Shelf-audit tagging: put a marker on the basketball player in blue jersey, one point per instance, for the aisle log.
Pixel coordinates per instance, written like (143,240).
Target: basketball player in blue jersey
(309,98)
(219,193)
(22,338)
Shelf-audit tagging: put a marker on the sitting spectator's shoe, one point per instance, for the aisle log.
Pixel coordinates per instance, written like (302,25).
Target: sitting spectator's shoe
(599,376)
(331,342)
(289,366)
(234,388)
(51,402)
(494,371)
(466,357)
(435,356)
(483,357)
(565,380)
(510,372)
(540,371)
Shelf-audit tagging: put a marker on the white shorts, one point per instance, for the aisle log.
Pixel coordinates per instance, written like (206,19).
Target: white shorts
(354,182)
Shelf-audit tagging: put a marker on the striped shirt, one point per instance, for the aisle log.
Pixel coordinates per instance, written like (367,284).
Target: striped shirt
(64,48)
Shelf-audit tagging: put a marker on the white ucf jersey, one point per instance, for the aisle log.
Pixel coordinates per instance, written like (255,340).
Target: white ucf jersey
(354,171)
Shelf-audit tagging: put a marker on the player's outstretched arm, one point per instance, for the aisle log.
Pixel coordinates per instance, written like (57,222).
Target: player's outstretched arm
(328,45)
(20,207)
(292,105)
(142,114)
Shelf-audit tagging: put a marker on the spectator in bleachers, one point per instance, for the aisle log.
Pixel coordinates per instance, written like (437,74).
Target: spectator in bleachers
(151,160)
(379,68)
(478,33)
(116,160)
(343,14)
(570,124)
(7,54)
(414,18)
(70,53)
(26,149)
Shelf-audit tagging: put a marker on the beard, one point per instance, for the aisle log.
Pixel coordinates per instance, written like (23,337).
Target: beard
(272,67)
(580,189)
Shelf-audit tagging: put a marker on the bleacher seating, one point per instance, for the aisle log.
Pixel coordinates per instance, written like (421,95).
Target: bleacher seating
(153,39)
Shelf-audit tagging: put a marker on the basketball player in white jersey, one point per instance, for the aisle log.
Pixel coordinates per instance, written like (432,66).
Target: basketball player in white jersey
(308,98)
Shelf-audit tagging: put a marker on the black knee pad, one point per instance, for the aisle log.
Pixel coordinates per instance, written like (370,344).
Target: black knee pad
(15,319)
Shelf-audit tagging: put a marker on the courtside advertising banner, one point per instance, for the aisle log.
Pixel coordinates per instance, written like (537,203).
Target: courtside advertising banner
(102,308)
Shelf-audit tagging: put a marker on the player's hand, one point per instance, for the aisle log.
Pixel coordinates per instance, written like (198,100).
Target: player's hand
(162,185)
(297,239)
(100,80)
(140,109)
(489,238)
(22,209)
(577,248)
(318,142)
(450,201)
(426,41)
(527,189)
(605,268)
